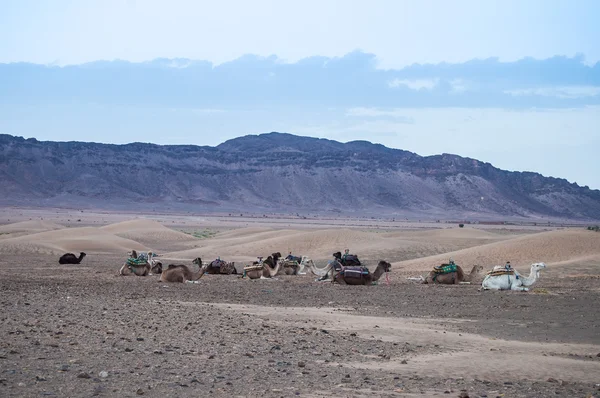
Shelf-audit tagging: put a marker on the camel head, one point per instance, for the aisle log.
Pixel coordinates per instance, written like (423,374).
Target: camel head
(537,267)
(387,267)
(477,269)
(198,261)
(132,254)
(337,255)
(82,254)
(157,268)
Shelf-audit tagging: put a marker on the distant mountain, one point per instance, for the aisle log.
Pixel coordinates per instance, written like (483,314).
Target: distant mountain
(279,172)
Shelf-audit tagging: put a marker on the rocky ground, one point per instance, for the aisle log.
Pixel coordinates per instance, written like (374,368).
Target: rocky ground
(81,330)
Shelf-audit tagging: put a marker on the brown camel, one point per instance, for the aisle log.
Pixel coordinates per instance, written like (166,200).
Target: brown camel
(70,258)
(220,267)
(263,269)
(181,273)
(360,275)
(134,266)
(453,278)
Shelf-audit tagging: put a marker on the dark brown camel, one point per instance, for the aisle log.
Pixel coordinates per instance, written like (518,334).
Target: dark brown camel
(360,275)
(70,258)
(220,267)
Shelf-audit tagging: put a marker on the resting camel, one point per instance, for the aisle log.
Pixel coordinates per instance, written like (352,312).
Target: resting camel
(219,266)
(498,279)
(264,269)
(70,258)
(292,265)
(140,265)
(453,278)
(182,273)
(360,275)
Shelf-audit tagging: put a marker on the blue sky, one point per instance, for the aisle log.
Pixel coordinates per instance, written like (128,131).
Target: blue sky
(514,83)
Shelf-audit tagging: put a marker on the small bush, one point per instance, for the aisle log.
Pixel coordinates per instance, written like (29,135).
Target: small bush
(461,225)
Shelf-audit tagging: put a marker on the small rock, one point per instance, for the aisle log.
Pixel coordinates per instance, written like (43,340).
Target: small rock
(463,395)
(211,357)
(324,331)
(40,378)
(404,362)
(128,349)
(83,375)
(103,374)
(301,364)
(139,391)
(140,339)
(63,368)
(552,380)
(249,355)
(158,352)
(110,332)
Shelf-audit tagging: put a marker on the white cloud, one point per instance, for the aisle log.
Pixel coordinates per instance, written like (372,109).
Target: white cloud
(417,84)
(566,92)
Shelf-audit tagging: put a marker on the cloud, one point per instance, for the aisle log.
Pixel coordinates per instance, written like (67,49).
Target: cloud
(351,81)
(566,92)
(417,84)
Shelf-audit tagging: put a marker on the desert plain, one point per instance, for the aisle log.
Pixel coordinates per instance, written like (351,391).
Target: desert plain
(83,330)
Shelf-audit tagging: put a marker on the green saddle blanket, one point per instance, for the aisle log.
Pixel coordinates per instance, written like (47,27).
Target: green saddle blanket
(445,268)
(135,262)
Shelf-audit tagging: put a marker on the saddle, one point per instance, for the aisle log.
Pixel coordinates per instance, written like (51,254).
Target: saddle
(287,263)
(499,272)
(445,268)
(136,262)
(253,267)
(355,272)
(217,263)
(293,258)
(351,260)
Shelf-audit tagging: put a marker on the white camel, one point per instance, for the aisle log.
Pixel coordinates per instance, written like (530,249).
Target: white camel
(514,281)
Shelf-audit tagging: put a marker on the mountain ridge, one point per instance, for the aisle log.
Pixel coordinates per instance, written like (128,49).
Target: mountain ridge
(280,172)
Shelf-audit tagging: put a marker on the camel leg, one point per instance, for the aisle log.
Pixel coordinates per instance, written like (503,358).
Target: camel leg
(519,288)
(122,270)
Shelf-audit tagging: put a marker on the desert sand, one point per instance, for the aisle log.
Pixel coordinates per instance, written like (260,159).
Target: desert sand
(83,330)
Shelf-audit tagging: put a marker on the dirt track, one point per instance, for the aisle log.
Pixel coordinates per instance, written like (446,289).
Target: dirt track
(63,326)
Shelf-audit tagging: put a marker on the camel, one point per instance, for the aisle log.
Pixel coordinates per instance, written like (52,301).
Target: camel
(70,258)
(498,279)
(296,265)
(263,269)
(182,273)
(221,267)
(453,278)
(360,275)
(141,265)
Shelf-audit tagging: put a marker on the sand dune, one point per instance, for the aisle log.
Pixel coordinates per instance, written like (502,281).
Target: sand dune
(29,227)
(149,233)
(554,247)
(86,239)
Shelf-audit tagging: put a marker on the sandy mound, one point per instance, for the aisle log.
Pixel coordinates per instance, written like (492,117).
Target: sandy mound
(319,244)
(562,246)
(29,227)
(87,239)
(447,233)
(149,233)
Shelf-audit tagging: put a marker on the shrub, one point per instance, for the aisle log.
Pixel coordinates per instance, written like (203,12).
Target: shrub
(461,225)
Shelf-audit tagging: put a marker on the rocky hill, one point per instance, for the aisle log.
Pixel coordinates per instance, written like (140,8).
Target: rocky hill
(279,172)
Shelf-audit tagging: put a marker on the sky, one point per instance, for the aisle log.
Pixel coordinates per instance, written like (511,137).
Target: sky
(513,83)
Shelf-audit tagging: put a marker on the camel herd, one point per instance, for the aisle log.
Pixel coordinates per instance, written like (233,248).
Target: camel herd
(346,269)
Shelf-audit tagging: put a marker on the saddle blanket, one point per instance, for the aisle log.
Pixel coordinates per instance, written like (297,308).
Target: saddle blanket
(355,272)
(290,263)
(445,269)
(500,272)
(134,262)
(253,267)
